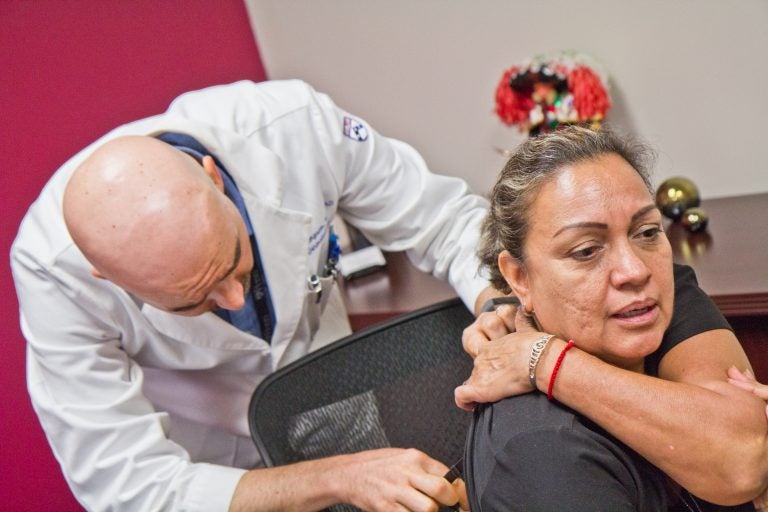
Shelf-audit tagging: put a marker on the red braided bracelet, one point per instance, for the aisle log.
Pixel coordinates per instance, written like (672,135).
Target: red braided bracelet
(556,368)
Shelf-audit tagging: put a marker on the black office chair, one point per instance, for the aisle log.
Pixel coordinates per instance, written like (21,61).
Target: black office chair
(389,385)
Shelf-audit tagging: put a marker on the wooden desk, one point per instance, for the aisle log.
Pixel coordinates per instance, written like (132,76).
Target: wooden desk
(731,256)
(397,289)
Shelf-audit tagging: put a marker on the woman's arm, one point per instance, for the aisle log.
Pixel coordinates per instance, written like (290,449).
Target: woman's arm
(705,434)
(709,436)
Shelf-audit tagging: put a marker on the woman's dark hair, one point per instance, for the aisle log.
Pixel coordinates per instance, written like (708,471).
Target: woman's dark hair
(531,165)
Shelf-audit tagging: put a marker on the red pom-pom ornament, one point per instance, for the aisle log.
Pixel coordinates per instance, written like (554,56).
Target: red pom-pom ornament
(547,91)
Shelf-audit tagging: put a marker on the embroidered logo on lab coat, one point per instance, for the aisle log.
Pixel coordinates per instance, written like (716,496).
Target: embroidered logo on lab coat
(355,130)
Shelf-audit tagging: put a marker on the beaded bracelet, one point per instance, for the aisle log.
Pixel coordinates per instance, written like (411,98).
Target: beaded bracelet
(556,368)
(533,361)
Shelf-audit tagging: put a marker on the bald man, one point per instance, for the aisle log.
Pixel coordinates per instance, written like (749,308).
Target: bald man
(169,267)
(128,208)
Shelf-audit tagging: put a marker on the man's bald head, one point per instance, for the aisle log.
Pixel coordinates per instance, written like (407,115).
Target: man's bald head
(144,213)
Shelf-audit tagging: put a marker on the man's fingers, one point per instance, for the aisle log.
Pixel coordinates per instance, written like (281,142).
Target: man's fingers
(431,486)
(428,486)
(461,492)
(396,479)
(463,396)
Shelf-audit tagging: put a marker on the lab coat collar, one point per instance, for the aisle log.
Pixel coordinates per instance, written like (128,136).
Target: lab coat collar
(277,230)
(206,330)
(235,152)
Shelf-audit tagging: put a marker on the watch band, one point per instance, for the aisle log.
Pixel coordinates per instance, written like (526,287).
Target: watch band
(492,304)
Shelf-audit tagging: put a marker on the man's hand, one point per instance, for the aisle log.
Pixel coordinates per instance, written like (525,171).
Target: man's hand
(397,479)
(501,361)
(375,480)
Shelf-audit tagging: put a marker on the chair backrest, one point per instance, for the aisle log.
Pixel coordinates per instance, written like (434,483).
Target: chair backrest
(389,385)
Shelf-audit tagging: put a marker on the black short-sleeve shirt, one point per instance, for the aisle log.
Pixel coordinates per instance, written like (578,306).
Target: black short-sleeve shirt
(526,453)
(694,313)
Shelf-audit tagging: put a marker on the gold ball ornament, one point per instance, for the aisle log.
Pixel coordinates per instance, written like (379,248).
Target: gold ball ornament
(675,196)
(695,220)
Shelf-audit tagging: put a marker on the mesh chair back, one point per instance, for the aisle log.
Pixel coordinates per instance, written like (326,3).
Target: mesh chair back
(389,385)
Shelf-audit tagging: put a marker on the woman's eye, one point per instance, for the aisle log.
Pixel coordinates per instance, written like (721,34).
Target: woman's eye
(584,253)
(649,232)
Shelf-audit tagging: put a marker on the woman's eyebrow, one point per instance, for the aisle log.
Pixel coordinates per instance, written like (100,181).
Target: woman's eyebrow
(600,225)
(643,211)
(597,225)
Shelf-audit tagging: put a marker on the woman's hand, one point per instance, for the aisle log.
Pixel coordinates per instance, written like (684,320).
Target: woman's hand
(746,380)
(501,363)
(488,326)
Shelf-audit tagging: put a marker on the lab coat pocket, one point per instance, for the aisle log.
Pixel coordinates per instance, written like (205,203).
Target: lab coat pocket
(318,292)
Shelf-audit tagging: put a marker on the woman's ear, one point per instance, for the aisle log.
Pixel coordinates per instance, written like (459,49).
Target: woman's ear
(516,277)
(213,172)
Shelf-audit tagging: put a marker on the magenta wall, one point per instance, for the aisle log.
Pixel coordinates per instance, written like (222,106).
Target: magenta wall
(69,71)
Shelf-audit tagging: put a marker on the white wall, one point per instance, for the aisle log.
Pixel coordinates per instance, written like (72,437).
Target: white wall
(689,76)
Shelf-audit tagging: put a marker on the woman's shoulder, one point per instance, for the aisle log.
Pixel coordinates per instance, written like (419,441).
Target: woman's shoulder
(523,449)
(694,313)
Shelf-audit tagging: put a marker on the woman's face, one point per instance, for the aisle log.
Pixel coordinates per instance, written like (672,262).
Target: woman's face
(598,267)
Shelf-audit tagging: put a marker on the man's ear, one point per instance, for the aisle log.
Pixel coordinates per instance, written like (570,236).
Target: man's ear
(209,166)
(516,276)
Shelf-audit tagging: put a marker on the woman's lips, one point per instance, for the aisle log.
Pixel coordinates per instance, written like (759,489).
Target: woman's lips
(637,315)
(634,312)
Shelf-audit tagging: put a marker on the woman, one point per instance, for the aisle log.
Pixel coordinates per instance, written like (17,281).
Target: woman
(574,233)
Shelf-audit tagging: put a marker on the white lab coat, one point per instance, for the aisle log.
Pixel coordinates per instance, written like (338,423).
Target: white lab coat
(146,410)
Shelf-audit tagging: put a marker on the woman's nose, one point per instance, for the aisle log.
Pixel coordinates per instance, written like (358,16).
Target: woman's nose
(629,268)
